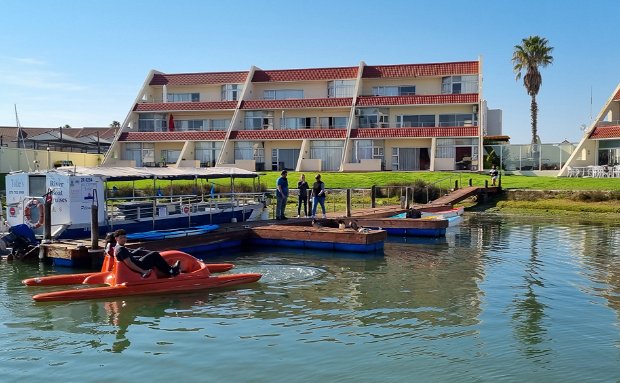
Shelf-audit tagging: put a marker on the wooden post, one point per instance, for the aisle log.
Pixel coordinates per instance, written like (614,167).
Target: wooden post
(470,182)
(94,225)
(373,196)
(348,210)
(486,184)
(47,223)
(456,185)
(407,197)
(499,184)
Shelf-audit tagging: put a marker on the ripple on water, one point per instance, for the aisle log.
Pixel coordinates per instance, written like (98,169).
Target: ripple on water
(290,275)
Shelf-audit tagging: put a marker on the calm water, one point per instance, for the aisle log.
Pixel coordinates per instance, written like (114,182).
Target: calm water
(500,299)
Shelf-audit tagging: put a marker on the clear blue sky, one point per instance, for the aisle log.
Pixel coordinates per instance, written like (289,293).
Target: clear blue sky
(82,62)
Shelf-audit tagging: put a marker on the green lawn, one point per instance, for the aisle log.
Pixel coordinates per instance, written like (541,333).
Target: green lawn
(366,180)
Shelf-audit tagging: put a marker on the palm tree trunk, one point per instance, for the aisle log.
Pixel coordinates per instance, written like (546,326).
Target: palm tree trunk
(534,111)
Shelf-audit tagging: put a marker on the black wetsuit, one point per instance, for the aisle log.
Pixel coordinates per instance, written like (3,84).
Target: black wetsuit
(144,259)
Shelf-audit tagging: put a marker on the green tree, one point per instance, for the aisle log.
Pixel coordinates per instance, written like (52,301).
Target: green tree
(115,124)
(533,53)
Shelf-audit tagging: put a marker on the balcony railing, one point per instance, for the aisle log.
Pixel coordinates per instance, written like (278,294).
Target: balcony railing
(608,123)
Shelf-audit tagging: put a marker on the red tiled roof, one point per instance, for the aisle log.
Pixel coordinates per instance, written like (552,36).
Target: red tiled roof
(419,70)
(314,74)
(288,134)
(605,132)
(617,96)
(184,106)
(465,98)
(470,131)
(199,78)
(298,103)
(173,136)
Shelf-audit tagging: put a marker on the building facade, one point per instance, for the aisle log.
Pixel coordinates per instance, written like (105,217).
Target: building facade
(358,118)
(600,145)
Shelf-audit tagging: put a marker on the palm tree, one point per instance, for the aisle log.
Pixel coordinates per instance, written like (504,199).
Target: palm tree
(528,57)
(115,124)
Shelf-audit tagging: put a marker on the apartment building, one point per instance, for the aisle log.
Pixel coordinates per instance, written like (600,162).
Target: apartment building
(358,118)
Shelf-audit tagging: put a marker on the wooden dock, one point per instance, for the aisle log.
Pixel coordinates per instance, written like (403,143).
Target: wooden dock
(293,232)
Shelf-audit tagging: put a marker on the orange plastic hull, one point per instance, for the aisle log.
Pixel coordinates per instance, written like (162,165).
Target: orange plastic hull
(99,277)
(181,283)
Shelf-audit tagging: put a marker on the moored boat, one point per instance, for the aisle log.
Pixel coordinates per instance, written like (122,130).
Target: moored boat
(79,196)
(121,281)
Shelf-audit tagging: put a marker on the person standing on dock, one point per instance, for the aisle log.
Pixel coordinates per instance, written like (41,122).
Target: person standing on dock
(318,195)
(281,195)
(494,173)
(303,187)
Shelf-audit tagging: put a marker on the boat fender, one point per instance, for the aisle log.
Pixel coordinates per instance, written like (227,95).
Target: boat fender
(34,203)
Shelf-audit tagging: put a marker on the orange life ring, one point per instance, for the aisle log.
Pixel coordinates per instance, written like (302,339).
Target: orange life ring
(34,203)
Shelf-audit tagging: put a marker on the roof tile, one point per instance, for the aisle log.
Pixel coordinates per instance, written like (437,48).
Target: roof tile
(465,98)
(470,131)
(173,136)
(184,106)
(298,103)
(199,78)
(420,70)
(313,74)
(601,132)
(617,96)
(300,134)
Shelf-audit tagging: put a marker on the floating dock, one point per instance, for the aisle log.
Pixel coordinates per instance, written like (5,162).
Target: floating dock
(323,238)
(298,234)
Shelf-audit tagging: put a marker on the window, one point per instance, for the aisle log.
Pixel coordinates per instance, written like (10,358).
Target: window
(142,153)
(368,149)
(220,124)
(457,120)
(283,94)
(249,150)
(333,122)
(403,90)
(330,153)
(231,92)
(293,123)
(149,122)
(207,152)
(459,84)
(256,120)
(170,156)
(183,97)
(416,121)
(340,88)
(187,125)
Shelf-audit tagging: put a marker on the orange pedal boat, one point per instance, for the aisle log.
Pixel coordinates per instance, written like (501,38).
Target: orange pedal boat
(121,281)
(97,278)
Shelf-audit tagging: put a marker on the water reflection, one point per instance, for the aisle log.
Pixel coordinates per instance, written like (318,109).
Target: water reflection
(529,312)
(497,297)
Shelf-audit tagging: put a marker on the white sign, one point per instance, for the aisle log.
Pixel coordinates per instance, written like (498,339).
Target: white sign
(17,190)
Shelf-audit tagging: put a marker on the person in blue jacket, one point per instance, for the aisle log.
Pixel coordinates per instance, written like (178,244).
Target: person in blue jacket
(281,195)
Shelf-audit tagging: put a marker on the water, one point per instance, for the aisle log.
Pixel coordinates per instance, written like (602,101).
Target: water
(497,300)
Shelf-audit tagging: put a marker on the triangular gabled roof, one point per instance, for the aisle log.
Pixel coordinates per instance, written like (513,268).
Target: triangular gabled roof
(596,131)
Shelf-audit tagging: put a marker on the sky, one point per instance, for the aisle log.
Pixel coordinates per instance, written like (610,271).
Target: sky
(82,63)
